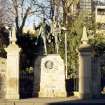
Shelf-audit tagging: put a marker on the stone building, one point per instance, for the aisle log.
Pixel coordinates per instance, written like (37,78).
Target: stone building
(100,19)
(86,6)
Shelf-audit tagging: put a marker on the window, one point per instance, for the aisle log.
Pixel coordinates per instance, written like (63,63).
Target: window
(86,5)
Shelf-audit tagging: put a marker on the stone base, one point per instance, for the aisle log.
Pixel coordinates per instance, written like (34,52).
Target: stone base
(52,94)
(76,93)
(85,96)
(12,96)
(49,76)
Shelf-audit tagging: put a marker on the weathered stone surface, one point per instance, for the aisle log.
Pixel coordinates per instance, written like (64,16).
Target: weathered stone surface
(12,72)
(49,76)
(2,64)
(2,104)
(5,102)
(2,77)
(85,77)
(24,103)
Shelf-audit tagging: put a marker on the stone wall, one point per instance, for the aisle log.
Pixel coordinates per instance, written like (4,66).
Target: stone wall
(2,77)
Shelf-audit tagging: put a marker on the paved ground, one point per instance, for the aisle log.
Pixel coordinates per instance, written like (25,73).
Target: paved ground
(52,101)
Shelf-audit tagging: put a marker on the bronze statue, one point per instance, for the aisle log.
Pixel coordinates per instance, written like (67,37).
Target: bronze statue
(49,34)
(56,31)
(43,33)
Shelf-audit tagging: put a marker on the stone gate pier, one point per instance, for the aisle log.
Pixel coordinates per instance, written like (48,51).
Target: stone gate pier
(85,73)
(12,69)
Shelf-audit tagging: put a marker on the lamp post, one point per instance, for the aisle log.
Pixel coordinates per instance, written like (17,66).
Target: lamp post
(66,54)
(66,61)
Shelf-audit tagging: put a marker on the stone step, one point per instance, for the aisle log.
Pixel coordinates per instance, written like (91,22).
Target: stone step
(53,101)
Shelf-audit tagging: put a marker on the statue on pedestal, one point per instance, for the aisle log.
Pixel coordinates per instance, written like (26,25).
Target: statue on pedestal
(49,70)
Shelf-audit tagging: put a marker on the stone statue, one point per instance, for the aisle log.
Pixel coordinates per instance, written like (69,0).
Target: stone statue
(12,34)
(84,38)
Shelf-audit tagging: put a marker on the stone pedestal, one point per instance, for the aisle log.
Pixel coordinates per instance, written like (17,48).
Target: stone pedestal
(12,72)
(49,76)
(85,80)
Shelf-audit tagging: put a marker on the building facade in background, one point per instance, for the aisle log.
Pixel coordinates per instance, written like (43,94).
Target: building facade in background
(86,6)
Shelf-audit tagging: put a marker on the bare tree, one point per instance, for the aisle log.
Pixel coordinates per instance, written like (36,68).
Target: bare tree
(5,18)
(55,8)
(22,9)
(68,9)
(63,8)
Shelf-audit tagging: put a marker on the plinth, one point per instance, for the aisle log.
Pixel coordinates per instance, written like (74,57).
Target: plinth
(49,75)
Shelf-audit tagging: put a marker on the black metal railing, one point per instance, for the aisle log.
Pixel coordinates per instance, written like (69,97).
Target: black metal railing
(72,85)
(26,85)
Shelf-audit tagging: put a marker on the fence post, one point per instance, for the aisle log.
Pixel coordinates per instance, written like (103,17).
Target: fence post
(85,82)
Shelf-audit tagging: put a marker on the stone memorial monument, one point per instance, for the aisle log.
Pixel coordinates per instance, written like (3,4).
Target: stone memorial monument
(49,75)
(12,69)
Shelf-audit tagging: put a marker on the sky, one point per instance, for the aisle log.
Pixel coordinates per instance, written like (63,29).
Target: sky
(35,19)
(31,20)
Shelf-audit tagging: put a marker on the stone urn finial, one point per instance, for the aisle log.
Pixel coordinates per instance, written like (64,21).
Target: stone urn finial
(13,36)
(84,38)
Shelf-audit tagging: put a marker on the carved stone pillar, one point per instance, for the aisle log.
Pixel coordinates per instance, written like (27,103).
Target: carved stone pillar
(12,71)
(85,80)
